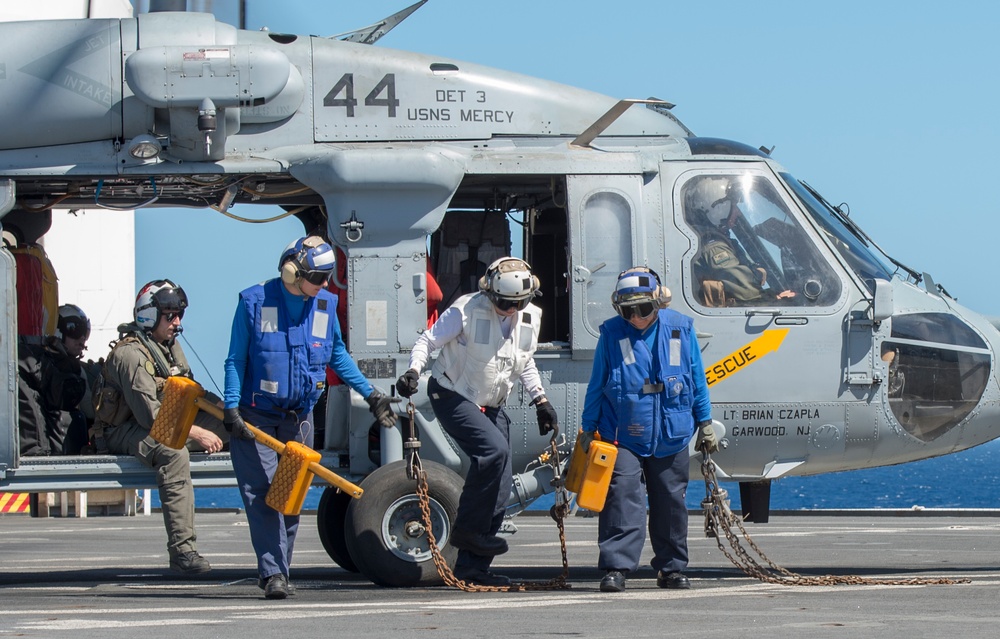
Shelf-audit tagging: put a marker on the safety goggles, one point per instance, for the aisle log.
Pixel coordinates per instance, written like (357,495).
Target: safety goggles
(316,278)
(172,315)
(641,310)
(503,304)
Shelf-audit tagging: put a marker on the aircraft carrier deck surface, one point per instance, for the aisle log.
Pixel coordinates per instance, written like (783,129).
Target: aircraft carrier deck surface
(107,577)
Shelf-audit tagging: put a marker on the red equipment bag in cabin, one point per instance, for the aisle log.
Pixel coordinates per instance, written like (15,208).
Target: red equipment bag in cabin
(37,292)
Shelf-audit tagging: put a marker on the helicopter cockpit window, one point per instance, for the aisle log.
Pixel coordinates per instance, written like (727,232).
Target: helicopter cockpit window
(851,244)
(751,251)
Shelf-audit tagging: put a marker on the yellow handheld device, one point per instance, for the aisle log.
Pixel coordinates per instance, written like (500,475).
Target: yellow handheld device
(589,473)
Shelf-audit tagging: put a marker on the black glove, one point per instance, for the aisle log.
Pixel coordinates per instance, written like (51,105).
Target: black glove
(584,440)
(235,425)
(378,404)
(548,419)
(406,385)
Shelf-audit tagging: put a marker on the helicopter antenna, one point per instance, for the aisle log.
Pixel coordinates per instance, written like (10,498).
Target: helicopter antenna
(606,120)
(371,33)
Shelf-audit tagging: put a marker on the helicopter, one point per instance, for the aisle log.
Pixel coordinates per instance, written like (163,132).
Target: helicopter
(418,167)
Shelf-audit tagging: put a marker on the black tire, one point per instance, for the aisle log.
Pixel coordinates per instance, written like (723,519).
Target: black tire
(378,532)
(330,517)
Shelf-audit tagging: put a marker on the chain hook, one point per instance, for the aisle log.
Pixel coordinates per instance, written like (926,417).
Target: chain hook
(411,444)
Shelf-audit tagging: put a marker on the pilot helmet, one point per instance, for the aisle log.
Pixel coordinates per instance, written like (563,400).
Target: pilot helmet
(155,299)
(73,323)
(708,198)
(309,258)
(509,283)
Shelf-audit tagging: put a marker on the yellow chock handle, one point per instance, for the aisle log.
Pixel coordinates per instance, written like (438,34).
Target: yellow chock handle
(324,473)
(292,478)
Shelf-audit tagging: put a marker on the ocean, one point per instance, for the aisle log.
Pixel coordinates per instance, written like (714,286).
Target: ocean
(969,479)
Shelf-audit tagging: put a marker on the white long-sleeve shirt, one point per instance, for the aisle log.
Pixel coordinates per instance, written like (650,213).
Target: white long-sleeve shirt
(449,327)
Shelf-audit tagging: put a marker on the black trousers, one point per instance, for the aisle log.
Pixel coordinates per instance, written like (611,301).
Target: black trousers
(484,436)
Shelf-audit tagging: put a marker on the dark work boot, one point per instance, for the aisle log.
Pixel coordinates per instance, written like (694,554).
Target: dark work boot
(262,584)
(481,577)
(673,580)
(276,587)
(614,581)
(485,545)
(190,563)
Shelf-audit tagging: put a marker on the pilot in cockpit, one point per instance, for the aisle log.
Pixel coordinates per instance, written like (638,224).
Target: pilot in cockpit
(726,274)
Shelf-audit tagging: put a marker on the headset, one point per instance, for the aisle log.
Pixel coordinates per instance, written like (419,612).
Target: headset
(290,272)
(637,280)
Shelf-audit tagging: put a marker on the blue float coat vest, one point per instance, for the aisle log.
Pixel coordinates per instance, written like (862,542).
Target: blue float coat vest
(634,413)
(288,357)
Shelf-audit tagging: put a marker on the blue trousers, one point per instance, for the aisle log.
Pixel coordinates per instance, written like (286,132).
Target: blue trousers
(622,524)
(484,436)
(272,533)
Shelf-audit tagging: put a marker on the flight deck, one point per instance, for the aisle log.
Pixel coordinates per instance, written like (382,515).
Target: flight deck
(107,577)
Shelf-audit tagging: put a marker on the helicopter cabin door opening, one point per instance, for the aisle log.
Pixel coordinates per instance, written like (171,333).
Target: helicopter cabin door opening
(524,220)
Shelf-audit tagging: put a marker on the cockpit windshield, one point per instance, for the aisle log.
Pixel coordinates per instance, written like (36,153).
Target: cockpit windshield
(751,250)
(847,239)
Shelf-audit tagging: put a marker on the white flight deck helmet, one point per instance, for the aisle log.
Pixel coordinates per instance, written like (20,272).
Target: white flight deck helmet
(73,323)
(509,283)
(155,299)
(709,199)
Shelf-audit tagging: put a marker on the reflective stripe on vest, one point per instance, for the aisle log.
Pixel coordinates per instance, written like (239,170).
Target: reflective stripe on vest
(647,401)
(287,359)
(483,369)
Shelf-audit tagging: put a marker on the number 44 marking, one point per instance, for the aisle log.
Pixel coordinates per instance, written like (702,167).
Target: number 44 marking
(383,95)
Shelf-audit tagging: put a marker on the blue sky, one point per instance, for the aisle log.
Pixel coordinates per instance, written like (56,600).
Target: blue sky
(888,106)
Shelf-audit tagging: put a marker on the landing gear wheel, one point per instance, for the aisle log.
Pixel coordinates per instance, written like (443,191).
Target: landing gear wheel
(330,517)
(384,530)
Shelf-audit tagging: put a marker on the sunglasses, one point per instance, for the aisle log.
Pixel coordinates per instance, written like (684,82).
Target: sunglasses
(173,315)
(316,278)
(505,305)
(642,310)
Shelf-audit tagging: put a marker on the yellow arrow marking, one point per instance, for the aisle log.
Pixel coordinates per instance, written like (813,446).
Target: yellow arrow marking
(769,342)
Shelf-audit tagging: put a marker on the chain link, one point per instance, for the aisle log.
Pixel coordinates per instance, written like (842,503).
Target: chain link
(719,517)
(559,511)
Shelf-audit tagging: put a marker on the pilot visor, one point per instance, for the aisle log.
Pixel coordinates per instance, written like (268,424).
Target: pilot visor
(76,330)
(170,298)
